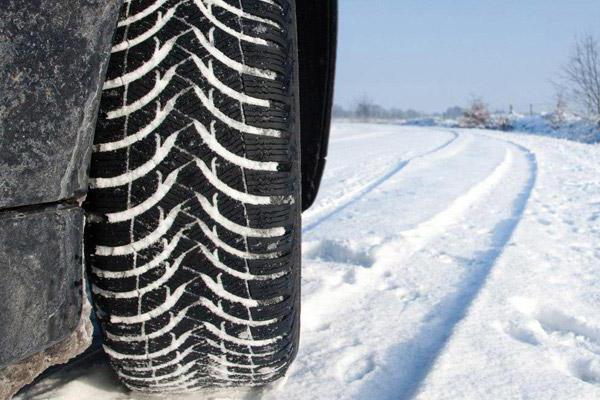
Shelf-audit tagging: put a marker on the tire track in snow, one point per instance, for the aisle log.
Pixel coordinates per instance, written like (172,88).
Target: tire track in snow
(400,248)
(441,321)
(417,238)
(357,194)
(407,243)
(384,288)
(359,137)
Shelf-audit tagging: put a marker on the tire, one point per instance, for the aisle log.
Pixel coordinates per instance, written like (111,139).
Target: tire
(193,232)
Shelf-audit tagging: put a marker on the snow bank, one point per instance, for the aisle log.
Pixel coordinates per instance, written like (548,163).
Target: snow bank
(576,129)
(571,127)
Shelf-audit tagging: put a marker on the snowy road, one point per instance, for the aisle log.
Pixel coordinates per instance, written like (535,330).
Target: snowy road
(439,264)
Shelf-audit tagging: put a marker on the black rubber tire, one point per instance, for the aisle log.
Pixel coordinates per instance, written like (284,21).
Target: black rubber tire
(193,232)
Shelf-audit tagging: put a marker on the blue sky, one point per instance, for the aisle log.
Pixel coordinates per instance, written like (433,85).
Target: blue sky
(431,54)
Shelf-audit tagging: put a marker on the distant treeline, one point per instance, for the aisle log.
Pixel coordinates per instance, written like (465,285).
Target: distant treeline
(367,110)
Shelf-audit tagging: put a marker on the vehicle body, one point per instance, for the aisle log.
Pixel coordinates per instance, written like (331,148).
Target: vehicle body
(53,62)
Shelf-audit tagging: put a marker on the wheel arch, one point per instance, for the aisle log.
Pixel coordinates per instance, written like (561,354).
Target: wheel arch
(317,42)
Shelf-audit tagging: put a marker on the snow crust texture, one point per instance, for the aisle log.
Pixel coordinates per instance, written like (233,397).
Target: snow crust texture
(442,264)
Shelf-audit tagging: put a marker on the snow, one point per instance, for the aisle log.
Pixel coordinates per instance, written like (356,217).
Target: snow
(572,127)
(438,264)
(568,126)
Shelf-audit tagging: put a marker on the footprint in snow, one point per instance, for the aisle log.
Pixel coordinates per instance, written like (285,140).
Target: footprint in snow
(571,341)
(585,369)
(544,222)
(528,332)
(339,252)
(355,364)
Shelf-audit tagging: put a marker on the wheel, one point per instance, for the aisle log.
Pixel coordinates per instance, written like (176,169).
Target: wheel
(193,232)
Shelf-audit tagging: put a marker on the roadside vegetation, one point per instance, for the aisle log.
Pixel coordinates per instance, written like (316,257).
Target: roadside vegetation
(573,114)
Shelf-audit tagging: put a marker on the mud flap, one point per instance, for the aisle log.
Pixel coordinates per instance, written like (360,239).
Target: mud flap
(52,67)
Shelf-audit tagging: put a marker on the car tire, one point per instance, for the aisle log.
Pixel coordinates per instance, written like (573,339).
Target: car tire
(193,215)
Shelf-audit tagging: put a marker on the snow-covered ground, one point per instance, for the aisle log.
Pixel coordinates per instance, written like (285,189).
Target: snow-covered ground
(568,126)
(572,127)
(438,264)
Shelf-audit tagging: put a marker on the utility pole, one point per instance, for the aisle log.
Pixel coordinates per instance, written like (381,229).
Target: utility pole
(531,110)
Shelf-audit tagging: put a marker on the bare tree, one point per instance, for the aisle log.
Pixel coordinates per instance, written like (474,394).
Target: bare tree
(365,108)
(560,109)
(477,116)
(582,74)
